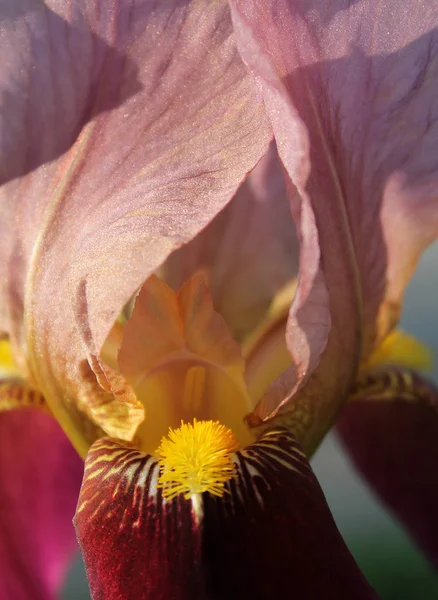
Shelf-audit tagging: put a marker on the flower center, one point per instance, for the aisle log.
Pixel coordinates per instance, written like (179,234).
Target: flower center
(182,362)
(196,458)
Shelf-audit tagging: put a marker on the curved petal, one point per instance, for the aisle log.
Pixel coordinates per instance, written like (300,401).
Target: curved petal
(350,91)
(248,253)
(178,354)
(40,477)
(271,535)
(167,123)
(390,430)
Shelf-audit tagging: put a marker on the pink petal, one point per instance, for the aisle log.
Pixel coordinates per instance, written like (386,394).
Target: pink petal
(350,90)
(40,478)
(248,252)
(168,124)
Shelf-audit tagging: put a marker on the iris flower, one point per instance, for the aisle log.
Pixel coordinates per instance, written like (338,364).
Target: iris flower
(151,303)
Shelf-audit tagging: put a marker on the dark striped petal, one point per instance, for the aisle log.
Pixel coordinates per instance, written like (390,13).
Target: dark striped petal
(391,433)
(271,533)
(135,545)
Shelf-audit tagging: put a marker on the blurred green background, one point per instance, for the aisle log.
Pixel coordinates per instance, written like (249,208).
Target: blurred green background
(389,559)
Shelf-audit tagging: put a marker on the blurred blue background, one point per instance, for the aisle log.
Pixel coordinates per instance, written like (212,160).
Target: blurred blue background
(386,555)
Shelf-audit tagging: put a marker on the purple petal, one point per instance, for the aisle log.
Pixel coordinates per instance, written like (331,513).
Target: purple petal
(247,253)
(270,536)
(167,123)
(390,431)
(40,477)
(350,91)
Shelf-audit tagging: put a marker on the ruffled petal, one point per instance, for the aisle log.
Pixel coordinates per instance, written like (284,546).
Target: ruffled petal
(182,361)
(40,477)
(270,535)
(155,123)
(350,91)
(248,253)
(390,430)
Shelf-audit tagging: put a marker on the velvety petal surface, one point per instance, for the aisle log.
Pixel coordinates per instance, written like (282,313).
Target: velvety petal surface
(270,535)
(390,430)
(40,477)
(149,124)
(350,91)
(248,253)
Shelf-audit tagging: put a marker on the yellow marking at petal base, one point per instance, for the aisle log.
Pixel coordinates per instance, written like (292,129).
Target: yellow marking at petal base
(16,393)
(7,363)
(194,387)
(403,350)
(196,458)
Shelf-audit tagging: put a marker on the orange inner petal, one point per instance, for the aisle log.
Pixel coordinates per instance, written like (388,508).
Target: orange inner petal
(182,361)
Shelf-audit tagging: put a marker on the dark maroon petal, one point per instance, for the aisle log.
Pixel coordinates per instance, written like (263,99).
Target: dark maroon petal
(40,477)
(271,535)
(391,433)
(134,544)
(274,534)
